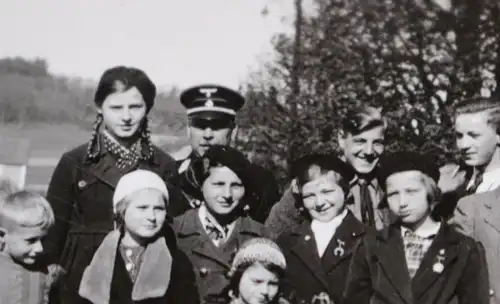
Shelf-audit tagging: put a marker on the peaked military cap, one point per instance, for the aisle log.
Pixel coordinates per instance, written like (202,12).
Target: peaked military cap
(212,99)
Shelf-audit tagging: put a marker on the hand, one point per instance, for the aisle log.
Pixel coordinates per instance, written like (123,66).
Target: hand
(56,273)
(451,178)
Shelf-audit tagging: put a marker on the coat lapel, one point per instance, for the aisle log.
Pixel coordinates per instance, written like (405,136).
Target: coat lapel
(306,250)
(390,253)
(343,242)
(444,245)
(201,244)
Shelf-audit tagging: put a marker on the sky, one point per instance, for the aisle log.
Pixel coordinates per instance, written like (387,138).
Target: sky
(176,42)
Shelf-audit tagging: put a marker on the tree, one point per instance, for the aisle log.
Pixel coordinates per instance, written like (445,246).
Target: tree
(413,58)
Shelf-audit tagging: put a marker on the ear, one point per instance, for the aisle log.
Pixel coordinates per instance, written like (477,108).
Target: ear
(233,135)
(341,139)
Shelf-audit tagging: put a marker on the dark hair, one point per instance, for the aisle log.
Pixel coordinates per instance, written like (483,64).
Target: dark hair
(219,156)
(120,79)
(361,119)
(477,105)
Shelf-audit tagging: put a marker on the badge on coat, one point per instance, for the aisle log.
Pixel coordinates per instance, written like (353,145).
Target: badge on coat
(321,298)
(339,250)
(438,266)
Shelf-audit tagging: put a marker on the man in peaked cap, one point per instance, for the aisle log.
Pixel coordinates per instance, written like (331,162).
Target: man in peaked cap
(211,111)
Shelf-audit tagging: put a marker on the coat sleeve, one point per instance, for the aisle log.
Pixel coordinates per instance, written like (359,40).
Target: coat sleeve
(183,287)
(359,288)
(463,217)
(61,198)
(473,286)
(283,215)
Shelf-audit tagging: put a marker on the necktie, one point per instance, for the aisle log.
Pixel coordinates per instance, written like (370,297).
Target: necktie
(478,179)
(367,213)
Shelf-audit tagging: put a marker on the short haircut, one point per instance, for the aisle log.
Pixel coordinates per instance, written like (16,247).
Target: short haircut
(361,119)
(25,209)
(477,105)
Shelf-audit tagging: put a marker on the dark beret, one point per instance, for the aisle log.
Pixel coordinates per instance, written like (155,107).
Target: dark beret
(402,161)
(211,99)
(328,162)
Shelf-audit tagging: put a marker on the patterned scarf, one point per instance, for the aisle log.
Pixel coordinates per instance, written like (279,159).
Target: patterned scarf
(126,157)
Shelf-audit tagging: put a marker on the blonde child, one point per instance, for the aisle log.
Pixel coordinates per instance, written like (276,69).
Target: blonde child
(25,218)
(139,261)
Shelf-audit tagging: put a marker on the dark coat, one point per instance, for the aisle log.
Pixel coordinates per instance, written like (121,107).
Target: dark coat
(379,273)
(80,194)
(263,199)
(211,264)
(307,274)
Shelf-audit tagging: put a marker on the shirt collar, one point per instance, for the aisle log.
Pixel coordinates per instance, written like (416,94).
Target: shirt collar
(332,224)
(424,233)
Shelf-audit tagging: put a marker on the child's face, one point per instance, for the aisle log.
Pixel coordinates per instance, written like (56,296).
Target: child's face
(476,139)
(323,197)
(145,214)
(24,245)
(407,197)
(258,285)
(222,190)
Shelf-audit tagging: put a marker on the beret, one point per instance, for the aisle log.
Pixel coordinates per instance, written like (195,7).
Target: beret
(328,162)
(402,161)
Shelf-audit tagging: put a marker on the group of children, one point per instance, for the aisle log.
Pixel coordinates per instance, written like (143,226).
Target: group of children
(218,254)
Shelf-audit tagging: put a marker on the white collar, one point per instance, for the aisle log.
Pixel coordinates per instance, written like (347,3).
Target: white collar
(333,224)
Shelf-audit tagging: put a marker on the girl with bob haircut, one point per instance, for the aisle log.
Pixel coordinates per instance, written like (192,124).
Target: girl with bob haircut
(139,261)
(82,185)
(417,259)
(318,252)
(256,273)
(211,234)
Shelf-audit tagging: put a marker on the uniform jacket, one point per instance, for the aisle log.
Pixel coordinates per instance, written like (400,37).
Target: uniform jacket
(478,216)
(81,194)
(379,274)
(267,193)
(308,275)
(211,264)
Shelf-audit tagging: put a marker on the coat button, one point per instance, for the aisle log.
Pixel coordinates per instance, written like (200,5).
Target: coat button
(203,272)
(82,184)
(492,292)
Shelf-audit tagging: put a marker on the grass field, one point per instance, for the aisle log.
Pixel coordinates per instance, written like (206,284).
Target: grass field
(48,142)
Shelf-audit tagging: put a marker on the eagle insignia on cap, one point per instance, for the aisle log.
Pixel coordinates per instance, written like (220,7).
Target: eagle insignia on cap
(208,93)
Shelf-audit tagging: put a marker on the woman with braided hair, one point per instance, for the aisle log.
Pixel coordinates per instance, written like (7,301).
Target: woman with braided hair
(84,180)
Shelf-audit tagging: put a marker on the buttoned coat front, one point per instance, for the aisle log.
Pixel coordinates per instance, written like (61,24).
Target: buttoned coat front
(211,263)
(378,273)
(308,275)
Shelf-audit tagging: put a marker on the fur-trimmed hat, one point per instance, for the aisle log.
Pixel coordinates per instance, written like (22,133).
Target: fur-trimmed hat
(259,250)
